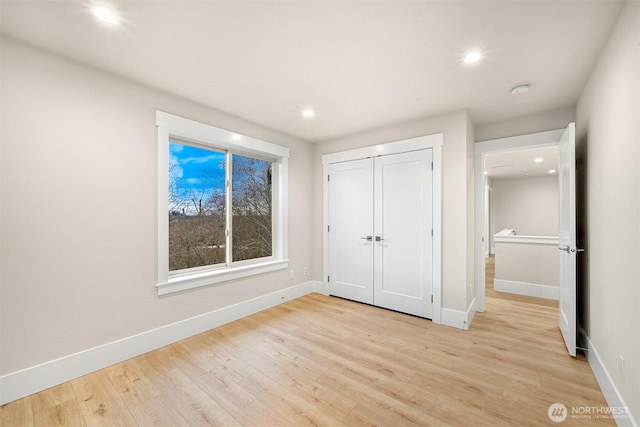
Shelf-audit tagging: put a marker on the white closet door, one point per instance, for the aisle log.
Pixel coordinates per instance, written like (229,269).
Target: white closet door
(351,229)
(403,250)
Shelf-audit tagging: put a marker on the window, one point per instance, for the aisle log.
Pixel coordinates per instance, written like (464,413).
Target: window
(251,208)
(198,225)
(221,205)
(197,220)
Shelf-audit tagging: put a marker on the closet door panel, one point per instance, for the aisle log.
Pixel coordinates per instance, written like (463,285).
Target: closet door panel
(351,223)
(403,222)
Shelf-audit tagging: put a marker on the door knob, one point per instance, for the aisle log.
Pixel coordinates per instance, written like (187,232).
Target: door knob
(379,239)
(368,238)
(568,249)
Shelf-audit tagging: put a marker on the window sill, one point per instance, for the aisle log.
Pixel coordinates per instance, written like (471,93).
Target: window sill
(196,280)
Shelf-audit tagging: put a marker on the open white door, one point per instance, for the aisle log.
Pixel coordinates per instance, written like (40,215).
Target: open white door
(567,237)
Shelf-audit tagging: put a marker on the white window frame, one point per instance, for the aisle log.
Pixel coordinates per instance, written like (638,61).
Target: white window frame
(171,126)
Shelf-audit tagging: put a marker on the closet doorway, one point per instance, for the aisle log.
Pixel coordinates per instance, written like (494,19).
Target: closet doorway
(380,217)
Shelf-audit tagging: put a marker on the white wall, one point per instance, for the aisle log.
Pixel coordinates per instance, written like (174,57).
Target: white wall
(456,154)
(608,139)
(547,120)
(527,205)
(78,206)
(531,263)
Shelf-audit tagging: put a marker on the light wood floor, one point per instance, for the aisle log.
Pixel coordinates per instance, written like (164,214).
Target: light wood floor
(320,360)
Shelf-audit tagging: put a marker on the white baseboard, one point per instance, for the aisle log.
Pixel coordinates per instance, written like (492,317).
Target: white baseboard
(31,380)
(528,289)
(319,287)
(457,318)
(609,390)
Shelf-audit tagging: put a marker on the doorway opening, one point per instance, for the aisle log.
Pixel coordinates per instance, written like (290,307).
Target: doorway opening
(522,221)
(505,158)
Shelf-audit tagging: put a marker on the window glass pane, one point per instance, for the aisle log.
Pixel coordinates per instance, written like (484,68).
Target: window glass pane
(251,208)
(196,206)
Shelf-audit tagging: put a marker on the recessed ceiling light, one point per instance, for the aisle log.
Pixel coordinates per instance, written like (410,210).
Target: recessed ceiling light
(308,113)
(105,14)
(236,137)
(486,173)
(552,171)
(538,159)
(472,57)
(519,89)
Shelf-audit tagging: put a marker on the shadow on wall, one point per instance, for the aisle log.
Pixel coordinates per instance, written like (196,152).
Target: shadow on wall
(582,237)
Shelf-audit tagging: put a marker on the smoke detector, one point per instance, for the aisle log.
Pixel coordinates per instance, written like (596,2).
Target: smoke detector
(520,88)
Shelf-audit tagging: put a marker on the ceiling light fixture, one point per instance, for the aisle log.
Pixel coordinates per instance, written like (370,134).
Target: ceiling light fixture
(538,159)
(552,171)
(308,113)
(106,15)
(472,57)
(520,89)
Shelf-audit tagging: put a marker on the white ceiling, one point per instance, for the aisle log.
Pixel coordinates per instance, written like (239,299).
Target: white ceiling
(521,164)
(360,64)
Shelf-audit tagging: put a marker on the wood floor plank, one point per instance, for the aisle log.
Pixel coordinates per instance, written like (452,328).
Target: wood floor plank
(195,405)
(222,387)
(259,414)
(99,402)
(378,405)
(159,411)
(131,382)
(57,406)
(17,413)
(326,400)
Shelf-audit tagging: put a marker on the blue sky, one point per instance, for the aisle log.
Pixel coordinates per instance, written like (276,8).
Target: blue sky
(196,169)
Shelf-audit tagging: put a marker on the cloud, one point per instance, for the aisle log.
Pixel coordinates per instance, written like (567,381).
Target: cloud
(200,159)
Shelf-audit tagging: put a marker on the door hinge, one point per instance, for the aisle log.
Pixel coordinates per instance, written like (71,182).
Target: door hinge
(431,299)
(328,278)
(328,228)
(328,177)
(432,232)
(431,165)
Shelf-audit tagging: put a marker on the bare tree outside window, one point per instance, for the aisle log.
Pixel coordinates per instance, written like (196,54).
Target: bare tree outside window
(251,208)
(197,210)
